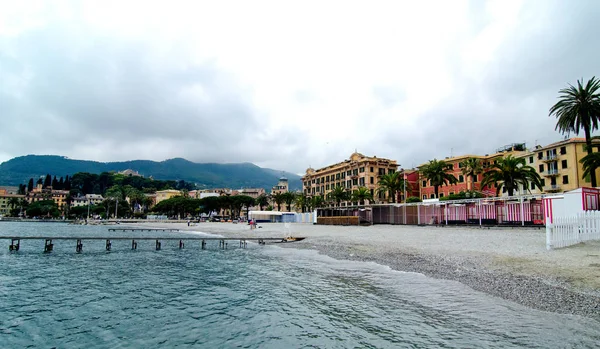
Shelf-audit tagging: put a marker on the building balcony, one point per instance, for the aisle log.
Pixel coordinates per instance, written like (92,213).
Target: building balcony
(551,157)
(551,172)
(552,188)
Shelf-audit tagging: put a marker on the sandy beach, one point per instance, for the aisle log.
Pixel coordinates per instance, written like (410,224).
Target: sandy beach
(511,263)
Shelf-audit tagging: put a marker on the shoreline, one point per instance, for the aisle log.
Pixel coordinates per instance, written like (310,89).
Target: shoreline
(509,264)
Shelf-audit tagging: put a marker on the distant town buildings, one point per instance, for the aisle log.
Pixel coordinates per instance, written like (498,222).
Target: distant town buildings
(130,172)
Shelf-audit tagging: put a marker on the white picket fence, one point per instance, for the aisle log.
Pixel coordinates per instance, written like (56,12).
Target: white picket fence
(567,231)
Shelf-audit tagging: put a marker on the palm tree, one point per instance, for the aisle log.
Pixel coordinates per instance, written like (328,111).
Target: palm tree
(391,183)
(262,200)
(316,201)
(302,202)
(289,198)
(579,108)
(362,194)
(471,167)
(436,171)
(339,194)
(279,199)
(590,163)
(510,172)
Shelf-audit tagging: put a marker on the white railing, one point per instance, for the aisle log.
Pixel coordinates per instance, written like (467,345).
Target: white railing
(567,231)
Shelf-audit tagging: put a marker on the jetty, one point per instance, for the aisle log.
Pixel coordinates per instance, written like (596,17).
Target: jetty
(15,241)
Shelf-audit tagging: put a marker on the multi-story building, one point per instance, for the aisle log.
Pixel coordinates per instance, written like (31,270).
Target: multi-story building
(412,184)
(358,171)
(465,184)
(559,166)
(88,199)
(8,200)
(166,194)
(252,192)
(39,193)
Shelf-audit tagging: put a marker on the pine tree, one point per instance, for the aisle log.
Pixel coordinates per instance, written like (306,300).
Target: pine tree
(30,185)
(67,183)
(48,181)
(54,183)
(61,184)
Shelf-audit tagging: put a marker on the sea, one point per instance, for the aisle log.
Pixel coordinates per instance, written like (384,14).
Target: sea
(255,297)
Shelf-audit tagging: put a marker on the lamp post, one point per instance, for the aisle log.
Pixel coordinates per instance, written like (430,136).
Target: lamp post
(404,182)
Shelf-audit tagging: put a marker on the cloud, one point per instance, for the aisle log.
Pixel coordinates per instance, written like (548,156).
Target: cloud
(286,86)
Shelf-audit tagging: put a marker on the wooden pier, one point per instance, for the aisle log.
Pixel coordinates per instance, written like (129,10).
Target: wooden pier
(15,241)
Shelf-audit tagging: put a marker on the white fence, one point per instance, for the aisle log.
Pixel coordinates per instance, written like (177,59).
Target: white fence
(567,231)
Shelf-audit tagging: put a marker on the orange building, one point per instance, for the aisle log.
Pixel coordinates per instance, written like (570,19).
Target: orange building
(465,183)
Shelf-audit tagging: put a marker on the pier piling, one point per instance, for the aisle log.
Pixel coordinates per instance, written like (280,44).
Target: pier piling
(181,245)
(14,246)
(79,246)
(48,246)
(157,245)
(108,245)
(133,244)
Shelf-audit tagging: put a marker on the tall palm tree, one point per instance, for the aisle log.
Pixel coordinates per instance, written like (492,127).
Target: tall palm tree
(289,198)
(279,199)
(436,171)
(471,167)
(262,200)
(391,184)
(302,202)
(316,201)
(339,194)
(510,172)
(579,108)
(362,194)
(590,163)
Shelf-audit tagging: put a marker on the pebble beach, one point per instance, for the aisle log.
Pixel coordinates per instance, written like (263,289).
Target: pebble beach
(510,263)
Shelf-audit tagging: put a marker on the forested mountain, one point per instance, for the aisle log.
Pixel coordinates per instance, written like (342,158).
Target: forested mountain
(205,175)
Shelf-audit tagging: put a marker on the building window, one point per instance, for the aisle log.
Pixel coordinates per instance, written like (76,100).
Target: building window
(531,159)
(349,173)
(540,155)
(563,150)
(362,169)
(424,184)
(532,186)
(432,196)
(372,180)
(424,197)
(362,181)
(541,168)
(524,187)
(563,163)
(461,178)
(565,179)
(553,181)
(355,172)
(441,195)
(355,181)
(451,193)
(371,168)
(348,183)
(543,182)
(327,187)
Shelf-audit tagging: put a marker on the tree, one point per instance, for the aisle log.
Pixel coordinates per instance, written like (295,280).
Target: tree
(44,208)
(339,194)
(316,202)
(54,183)
(289,198)
(279,199)
(30,185)
(590,163)
(471,167)
(362,194)
(579,108)
(302,202)
(22,188)
(510,172)
(436,171)
(48,181)
(262,200)
(391,184)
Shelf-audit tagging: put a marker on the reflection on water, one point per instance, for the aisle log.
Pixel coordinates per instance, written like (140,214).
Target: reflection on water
(260,297)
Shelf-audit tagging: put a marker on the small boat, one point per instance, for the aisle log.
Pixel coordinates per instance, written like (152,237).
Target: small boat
(291,239)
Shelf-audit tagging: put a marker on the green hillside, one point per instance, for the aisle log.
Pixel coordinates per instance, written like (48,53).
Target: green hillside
(209,175)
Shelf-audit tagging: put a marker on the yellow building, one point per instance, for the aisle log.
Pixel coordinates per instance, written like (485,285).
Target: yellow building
(7,200)
(559,165)
(281,187)
(39,193)
(166,194)
(358,171)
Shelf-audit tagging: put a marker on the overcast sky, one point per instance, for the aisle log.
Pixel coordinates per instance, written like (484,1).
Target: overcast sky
(284,84)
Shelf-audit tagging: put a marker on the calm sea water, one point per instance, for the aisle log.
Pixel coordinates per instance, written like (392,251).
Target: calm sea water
(259,297)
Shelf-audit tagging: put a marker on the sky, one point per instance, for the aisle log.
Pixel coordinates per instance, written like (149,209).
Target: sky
(287,84)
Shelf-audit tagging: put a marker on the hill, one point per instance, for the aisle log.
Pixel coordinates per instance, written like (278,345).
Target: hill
(206,175)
